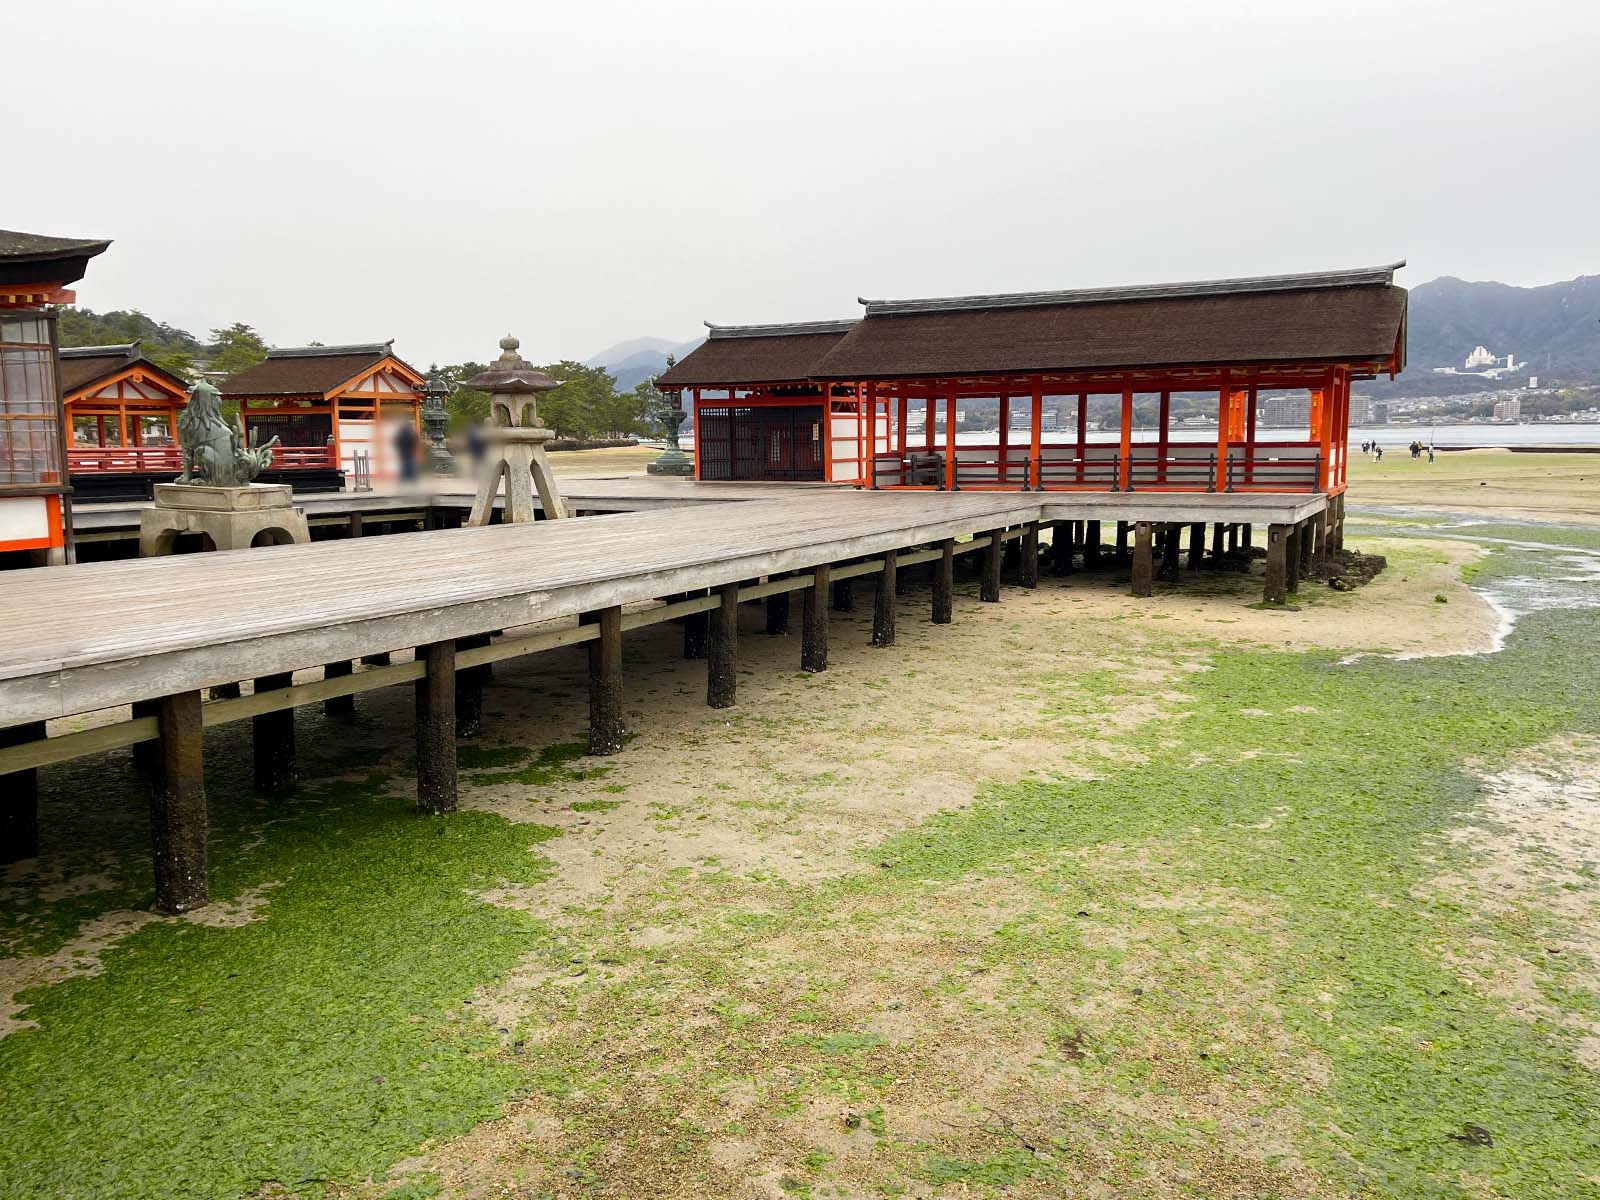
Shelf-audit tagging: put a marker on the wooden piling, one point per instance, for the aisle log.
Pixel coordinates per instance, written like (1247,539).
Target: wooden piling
(1218,534)
(814,621)
(1319,538)
(1197,545)
(355,524)
(339,706)
(778,614)
(147,755)
(1028,566)
(19,799)
(606,729)
(1292,559)
(944,583)
(844,595)
(1170,539)
(695,628)
(883,601)
(1276,588)
(1062,547)
(436,728)
(989,579)
(722,653)
(178,820)
(1091,544)
(1304,536)
(469,689)
(1244,536)
(1143,575)
(1233,538)
(1122,540)
(272,740)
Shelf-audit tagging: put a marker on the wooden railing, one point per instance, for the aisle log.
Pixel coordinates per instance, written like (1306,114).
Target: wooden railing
(128,460)
(1098,467)
(167,460)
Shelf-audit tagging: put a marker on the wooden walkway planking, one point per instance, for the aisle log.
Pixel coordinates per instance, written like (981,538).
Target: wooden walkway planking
(104,634)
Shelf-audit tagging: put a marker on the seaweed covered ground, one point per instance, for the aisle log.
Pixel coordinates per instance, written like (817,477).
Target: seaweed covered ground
(1081,895)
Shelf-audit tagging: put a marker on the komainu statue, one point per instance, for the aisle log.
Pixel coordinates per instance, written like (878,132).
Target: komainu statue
(213,453)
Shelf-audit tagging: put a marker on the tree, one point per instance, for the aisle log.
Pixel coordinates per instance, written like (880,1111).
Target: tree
(235,348)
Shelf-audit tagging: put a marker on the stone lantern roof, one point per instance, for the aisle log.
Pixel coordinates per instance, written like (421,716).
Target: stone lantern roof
(511,374)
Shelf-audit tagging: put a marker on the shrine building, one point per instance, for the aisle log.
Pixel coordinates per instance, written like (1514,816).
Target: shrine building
(327,405)
(877,401)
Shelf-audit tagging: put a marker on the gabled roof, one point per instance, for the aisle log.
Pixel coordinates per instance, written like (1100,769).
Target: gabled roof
(1334,317)
(751,354)
(84,366)
(309,370)
(36,258)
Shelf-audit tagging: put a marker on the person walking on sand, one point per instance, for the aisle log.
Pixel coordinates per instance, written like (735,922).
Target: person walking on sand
(1377,452)
(1430,451)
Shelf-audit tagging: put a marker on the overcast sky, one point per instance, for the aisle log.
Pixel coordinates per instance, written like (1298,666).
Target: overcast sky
(440,173)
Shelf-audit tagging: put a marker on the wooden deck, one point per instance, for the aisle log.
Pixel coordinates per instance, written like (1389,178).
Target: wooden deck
(103,634)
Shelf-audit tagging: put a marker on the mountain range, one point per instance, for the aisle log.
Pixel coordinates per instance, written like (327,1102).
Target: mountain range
(1554,328)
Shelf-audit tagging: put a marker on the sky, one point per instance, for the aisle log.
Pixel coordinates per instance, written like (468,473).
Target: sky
(581,174)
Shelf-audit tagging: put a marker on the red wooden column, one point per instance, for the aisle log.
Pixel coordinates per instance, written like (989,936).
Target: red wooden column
(950,435)
(1251,402)
(1033,437)
(1125,468)
(861,438)
(1323,407)
(1220,483)
(872,435)
(1162,436)
(1005,434)
(1083,431)
(694,407)
(900,389)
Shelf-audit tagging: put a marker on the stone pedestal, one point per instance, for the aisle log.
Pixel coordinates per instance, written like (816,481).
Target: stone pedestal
(671,461)
(230,518)
(517,457)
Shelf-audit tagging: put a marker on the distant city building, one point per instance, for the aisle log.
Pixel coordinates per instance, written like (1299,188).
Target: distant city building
(1479,358)
(1287,411)
(1364,410)
(1508,410)
(1533,382)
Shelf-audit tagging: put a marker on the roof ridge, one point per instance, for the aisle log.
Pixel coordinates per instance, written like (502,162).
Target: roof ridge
(789,329)
(1355,277)
(126,349)
(331,351)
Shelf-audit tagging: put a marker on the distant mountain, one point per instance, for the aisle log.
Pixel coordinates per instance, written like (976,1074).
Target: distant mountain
(638,359)
(1555,328)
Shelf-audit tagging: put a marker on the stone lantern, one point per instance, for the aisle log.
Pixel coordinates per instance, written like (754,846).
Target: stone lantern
(435,417)
(514,441)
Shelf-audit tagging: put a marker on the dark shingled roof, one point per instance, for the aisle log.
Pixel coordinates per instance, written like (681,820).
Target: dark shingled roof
(306,370)
(1347,316)
(82,366)
(750,354)
(35,258)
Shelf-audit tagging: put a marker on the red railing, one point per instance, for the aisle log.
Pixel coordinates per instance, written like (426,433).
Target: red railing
(167,460)
(289,458)
(129,460)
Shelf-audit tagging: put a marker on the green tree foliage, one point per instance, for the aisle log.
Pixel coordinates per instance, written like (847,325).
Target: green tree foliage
(168,347)
(236,347)
(586,406)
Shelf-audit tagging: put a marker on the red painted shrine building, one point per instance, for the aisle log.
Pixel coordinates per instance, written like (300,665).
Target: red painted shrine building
(326,405)
(34,273)
(121,413)
(879,401)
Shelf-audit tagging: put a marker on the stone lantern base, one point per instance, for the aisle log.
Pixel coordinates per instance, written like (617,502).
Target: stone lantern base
(232,518)
(517,456)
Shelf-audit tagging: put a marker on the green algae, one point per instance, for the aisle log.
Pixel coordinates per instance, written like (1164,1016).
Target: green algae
(328,1039)
(318,1043)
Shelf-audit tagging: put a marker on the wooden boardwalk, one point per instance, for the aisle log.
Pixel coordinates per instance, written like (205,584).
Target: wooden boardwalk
(103,634)
(156,633)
